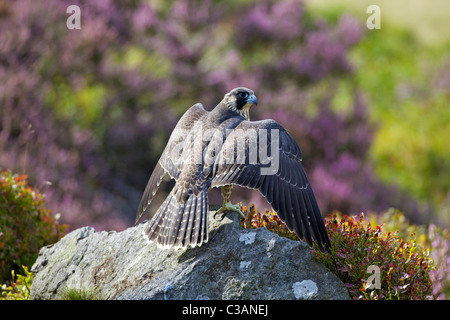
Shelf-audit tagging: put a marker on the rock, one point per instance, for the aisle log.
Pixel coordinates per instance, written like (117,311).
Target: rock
(236,263)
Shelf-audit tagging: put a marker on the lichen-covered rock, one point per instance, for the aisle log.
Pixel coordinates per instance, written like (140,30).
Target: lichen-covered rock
(236,263)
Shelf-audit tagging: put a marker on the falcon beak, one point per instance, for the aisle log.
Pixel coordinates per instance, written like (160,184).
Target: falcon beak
(252,99)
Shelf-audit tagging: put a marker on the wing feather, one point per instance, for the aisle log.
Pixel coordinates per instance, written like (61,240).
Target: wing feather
(296,212)
(287,202)
(169,163)
(310,219)
(287,190)
(150,190)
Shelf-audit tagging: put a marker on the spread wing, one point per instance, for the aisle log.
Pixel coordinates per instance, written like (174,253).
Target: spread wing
(171,160)
(262,155)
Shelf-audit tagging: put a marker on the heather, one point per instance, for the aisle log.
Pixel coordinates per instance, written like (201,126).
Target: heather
(86,113)
(412,263)
(90,110)
(404,267)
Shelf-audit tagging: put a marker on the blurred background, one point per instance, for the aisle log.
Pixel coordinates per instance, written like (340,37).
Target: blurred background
(86,113)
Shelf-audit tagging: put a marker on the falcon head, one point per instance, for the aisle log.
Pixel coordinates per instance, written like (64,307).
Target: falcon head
(239,100)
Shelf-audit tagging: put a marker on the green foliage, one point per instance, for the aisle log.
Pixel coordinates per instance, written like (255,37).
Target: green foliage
(19,289)
(394,220)
(83,107)
(356,245)
(411,150)
(406,85)
(79,294)
(403,71)
(26,224)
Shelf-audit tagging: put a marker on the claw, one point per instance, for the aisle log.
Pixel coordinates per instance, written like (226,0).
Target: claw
(230,207)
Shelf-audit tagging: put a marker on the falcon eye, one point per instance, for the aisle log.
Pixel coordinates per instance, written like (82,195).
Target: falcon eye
(243,94)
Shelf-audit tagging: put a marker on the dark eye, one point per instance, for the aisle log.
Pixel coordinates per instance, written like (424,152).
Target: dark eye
(243,94)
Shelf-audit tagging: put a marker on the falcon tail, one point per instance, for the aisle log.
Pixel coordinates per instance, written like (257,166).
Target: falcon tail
(180,224)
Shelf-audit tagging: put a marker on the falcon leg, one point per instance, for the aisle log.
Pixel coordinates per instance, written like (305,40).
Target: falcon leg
(227,205)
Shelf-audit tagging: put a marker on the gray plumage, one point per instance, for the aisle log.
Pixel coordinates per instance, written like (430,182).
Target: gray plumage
(198,163)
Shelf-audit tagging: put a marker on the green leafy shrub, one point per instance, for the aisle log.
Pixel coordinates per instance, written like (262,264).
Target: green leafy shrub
(404,266)
(19,288)
(26,224)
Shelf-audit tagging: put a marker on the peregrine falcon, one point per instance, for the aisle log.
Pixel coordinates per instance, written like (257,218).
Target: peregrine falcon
(221,148)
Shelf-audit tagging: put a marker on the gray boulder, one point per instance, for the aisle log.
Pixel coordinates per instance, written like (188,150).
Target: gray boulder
(236,263)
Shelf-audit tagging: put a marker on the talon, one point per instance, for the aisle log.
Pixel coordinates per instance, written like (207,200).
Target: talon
(230,207)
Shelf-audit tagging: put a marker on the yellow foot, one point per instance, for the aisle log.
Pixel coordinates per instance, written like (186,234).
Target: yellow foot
(230,207)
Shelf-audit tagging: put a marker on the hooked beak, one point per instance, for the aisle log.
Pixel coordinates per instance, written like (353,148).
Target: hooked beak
(252,99)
